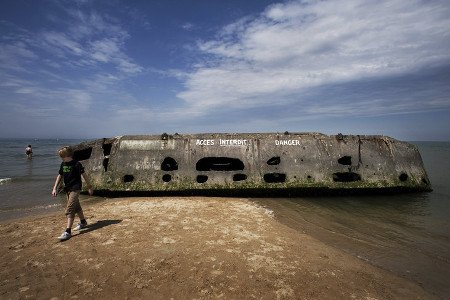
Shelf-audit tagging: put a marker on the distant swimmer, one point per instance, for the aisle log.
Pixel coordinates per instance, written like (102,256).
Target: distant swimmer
(29,152)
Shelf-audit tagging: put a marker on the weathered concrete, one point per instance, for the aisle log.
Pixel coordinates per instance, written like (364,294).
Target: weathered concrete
(255,163)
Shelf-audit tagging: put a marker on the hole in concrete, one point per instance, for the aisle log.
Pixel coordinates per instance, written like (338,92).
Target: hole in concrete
(128,178)
(309,177)
(202,178)
(105,163)
(424,180)
(403,177)
(346,177)
(82,154)
(274,177)
(239,177)
(167,178)
(106,152)
(219,164)
(274,161)
(106,149)
(169,164)
(345,160)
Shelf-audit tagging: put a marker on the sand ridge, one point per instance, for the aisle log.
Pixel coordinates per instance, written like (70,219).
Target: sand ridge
(183,248)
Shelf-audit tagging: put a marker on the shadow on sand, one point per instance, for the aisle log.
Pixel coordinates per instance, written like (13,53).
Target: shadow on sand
(97,225)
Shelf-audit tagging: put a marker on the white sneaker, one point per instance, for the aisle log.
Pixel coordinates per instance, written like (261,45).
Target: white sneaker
(81,226)
(65,236)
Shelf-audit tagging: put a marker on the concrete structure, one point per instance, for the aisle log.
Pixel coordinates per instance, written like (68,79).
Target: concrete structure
(259,164)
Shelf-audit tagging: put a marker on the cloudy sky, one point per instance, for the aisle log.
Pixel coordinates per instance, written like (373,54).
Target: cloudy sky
(100,68)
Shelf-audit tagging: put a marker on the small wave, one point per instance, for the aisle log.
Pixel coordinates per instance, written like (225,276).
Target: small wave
(29,209)
(5,180)
(48,206)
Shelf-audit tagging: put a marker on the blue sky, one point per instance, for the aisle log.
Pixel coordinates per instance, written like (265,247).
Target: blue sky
(91,69)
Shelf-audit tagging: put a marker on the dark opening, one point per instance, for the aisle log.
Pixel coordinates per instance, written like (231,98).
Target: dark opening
(345,160)
(403,177)
(105,163)
(106,149)
(167,178)
(239,177)
(424,181)
(219,164)
(128,178)
(202,178)
(82,154)
(106,152)
(309,177)
(274,177)
(274,161)
(346,177)
(169,164)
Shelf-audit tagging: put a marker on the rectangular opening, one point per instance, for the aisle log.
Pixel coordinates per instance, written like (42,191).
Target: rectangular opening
(346,177)
(82,154)
(219,164)
(274,177)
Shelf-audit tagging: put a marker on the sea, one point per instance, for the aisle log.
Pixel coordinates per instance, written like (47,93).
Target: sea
(407,234)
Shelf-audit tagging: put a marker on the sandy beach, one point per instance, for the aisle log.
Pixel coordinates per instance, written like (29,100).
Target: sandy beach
(183,248)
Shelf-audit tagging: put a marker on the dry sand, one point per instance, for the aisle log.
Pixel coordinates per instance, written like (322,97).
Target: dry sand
(183,248)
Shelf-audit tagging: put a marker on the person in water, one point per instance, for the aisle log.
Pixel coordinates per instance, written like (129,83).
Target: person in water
(71,171)
(29,151)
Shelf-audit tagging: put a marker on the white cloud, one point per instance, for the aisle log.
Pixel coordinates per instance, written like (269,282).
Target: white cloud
(15,54)
(80,100)
(188,26)
(104,50)
(85,39)
(305,44)
(79,62)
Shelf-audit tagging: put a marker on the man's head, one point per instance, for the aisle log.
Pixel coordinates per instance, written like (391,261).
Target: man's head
(65,152)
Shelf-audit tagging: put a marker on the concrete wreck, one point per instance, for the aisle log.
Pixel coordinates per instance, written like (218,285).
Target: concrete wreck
(258,163)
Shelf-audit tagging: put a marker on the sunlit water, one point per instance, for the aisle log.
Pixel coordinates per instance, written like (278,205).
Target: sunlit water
(407,234)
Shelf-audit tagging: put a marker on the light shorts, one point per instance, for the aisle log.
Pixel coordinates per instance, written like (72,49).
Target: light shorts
(73,203)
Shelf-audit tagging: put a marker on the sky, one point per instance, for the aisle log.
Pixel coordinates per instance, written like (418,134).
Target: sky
(104,68)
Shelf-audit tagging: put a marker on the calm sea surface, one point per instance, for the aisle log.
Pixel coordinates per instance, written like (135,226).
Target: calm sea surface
(407,234)
(26,184)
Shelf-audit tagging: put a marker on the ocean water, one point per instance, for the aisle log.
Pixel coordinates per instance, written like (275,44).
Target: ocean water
(408,234)
(26,184)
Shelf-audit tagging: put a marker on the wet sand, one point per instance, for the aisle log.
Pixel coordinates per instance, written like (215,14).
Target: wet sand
(183,248)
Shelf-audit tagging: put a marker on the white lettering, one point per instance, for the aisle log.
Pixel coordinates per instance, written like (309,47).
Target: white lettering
(233,142)
(204,142)
(287,142)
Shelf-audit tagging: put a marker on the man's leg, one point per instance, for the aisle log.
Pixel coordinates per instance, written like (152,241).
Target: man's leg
(81,215)
(69,222)
(83,222)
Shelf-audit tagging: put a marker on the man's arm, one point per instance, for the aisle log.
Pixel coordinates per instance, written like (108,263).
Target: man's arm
(54,192)
(88,183)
